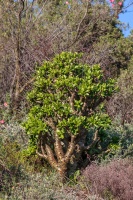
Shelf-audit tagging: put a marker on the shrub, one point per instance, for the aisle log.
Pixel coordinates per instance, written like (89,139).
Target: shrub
(125,145)
(11,169)
(13,141)
(121,103)
(113,180)
(66,101)
(40,186)
(119,141)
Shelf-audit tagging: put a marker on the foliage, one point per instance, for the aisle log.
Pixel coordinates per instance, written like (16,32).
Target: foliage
(14,165)
(65,103)
(121,103)
(10,165)
(121,144)
(93,30)
(20,38)
(116,141)
(106,147)
(52,90)
(111,181)
(113,53)
(40,186)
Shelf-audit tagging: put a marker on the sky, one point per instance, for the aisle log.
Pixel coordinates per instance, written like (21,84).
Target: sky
(127,17)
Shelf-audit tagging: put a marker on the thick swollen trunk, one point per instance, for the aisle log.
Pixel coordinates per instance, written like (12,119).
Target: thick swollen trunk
(62,171)
(60,163)
(65,163)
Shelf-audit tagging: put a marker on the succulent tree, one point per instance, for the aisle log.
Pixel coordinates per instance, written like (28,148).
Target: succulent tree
(65,103)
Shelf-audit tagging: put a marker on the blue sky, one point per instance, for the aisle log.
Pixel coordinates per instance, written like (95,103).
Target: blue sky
(127,17)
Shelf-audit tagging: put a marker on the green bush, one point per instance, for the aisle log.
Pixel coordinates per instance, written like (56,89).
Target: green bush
(67,99)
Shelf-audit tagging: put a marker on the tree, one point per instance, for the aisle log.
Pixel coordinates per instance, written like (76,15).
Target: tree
(23,44)
(66,102)
(91,28)
(121,104)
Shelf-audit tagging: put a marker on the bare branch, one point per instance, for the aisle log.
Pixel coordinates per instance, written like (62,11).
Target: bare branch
(26,84)
(127,6)
(78,29)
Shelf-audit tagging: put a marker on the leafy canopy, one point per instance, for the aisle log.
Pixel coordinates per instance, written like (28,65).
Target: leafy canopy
(67,97)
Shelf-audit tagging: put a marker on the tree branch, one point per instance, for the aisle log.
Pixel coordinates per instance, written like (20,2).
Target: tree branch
(70,149)
(50,123)
(58,149)
(71,102)
(78,29)
(26,84)
(43,154)
(95,140)
(51,158)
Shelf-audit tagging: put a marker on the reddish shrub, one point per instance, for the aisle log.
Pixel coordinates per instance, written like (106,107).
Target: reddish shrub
(114,179)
